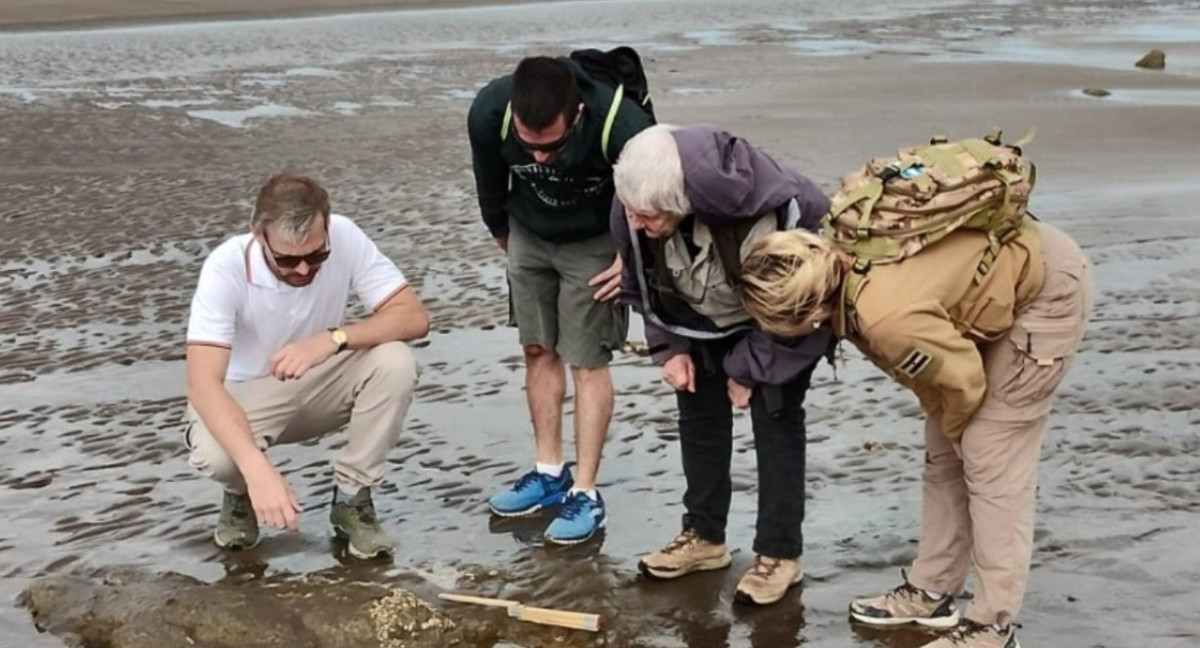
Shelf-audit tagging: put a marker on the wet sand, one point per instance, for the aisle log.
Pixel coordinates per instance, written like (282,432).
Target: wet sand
(129,153)
(49,14)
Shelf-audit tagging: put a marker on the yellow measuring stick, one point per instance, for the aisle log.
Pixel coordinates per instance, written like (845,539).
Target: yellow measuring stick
(544,616)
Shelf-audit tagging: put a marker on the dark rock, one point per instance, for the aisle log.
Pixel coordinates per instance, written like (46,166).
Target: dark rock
(1096,92)
(127,608)
(134,610)
(1153,60)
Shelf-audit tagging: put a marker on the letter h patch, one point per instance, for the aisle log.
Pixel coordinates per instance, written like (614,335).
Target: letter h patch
(913,363)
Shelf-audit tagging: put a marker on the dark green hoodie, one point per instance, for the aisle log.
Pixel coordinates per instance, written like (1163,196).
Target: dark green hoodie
(568,200)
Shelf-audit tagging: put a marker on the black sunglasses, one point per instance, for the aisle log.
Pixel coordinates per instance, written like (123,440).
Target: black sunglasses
(550,147)
(289,261)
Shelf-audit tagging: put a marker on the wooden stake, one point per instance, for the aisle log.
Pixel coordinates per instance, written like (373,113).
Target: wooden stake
(479,600)
(561,618)
(543,616)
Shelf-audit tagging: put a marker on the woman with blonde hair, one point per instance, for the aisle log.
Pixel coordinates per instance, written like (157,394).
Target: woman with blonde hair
(984,355)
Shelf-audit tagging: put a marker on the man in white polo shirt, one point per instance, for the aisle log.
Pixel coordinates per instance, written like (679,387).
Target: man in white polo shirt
(269,361)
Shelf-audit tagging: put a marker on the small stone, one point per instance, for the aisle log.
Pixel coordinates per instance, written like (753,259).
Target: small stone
(1153,60)
(1071,599)
(872,446)
(1096,92)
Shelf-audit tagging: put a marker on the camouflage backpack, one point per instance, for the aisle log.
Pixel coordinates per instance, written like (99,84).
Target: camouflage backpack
(894,207)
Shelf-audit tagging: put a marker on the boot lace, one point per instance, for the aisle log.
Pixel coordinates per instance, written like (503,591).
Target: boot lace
(907,590)
(681,542)
(967,629)
(765,566)
(240,508)
(573,507)
(365,510)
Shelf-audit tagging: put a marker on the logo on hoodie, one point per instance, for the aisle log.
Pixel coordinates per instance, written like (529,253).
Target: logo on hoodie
(558,190)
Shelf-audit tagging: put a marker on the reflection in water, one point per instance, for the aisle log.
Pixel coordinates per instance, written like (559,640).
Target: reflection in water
(779,625)
(895,637)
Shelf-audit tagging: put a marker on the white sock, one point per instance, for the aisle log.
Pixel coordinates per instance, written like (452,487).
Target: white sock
(590,492)
(933,595)
(554,470)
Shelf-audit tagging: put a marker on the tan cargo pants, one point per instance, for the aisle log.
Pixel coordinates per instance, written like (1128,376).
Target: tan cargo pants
(370,389)
(978,510)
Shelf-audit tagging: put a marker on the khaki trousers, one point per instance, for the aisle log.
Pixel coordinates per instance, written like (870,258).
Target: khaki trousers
(978,510)
(369,389)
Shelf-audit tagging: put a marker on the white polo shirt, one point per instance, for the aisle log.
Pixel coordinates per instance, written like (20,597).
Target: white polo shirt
(241,305)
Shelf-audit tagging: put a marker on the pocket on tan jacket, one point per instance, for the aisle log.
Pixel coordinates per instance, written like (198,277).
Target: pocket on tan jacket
(1042,350)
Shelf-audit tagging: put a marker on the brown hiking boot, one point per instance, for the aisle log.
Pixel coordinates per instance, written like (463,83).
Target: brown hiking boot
(687,553)
(969,634)
(906,604)
(769,579)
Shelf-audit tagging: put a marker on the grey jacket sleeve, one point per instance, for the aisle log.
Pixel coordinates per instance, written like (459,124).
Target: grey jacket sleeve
(764,358)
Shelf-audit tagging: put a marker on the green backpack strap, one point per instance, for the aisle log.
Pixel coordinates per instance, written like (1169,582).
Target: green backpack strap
(506,122)
(851,287)
(615,106)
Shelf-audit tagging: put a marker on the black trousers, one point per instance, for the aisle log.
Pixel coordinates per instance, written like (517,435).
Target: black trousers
(706,437)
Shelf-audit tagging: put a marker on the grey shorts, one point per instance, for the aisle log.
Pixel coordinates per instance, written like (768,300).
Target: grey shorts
(551,303)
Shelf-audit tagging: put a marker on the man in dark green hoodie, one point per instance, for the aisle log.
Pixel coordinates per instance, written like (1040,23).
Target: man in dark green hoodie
(542,141)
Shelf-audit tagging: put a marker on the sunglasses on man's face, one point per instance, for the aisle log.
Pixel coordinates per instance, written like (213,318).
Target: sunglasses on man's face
(549,147)
(289,261)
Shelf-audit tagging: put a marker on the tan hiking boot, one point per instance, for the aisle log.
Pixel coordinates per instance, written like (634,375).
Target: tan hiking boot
(973,635)
(906,604)
(237,526)
(687,553)
(769,579)
(354,521)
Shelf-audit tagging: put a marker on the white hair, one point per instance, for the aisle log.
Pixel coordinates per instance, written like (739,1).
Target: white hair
(648,176)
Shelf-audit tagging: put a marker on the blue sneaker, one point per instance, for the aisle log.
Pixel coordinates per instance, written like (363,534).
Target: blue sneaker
(580,519)
(532,492)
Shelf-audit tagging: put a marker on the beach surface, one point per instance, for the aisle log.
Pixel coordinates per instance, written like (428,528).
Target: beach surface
(133,136)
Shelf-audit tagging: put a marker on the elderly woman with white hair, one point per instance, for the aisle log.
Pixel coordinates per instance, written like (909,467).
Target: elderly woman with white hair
(690,202)
(984,355)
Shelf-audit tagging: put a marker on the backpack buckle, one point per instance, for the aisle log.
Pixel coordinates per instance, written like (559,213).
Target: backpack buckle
(1007,234)
(861,266)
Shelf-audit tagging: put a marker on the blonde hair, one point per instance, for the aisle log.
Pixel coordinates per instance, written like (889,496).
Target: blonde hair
(791,282)
(648,175)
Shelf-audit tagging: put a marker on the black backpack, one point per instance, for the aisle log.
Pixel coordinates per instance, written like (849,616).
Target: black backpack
(621,68)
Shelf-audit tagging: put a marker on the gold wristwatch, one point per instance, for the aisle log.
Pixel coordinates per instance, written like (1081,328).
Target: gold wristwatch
(339,338)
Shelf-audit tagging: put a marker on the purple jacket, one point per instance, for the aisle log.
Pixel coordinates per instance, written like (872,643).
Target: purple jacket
(727,179)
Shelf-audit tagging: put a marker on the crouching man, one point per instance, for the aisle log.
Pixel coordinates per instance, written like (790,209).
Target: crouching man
(269,362)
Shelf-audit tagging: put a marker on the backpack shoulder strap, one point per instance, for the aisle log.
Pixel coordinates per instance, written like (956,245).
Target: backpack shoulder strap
(728,242)
(853,284)
(613,108)
(507,121)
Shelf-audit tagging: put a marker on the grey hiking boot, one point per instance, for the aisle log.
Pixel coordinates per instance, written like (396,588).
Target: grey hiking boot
(354,521)
(237,528)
